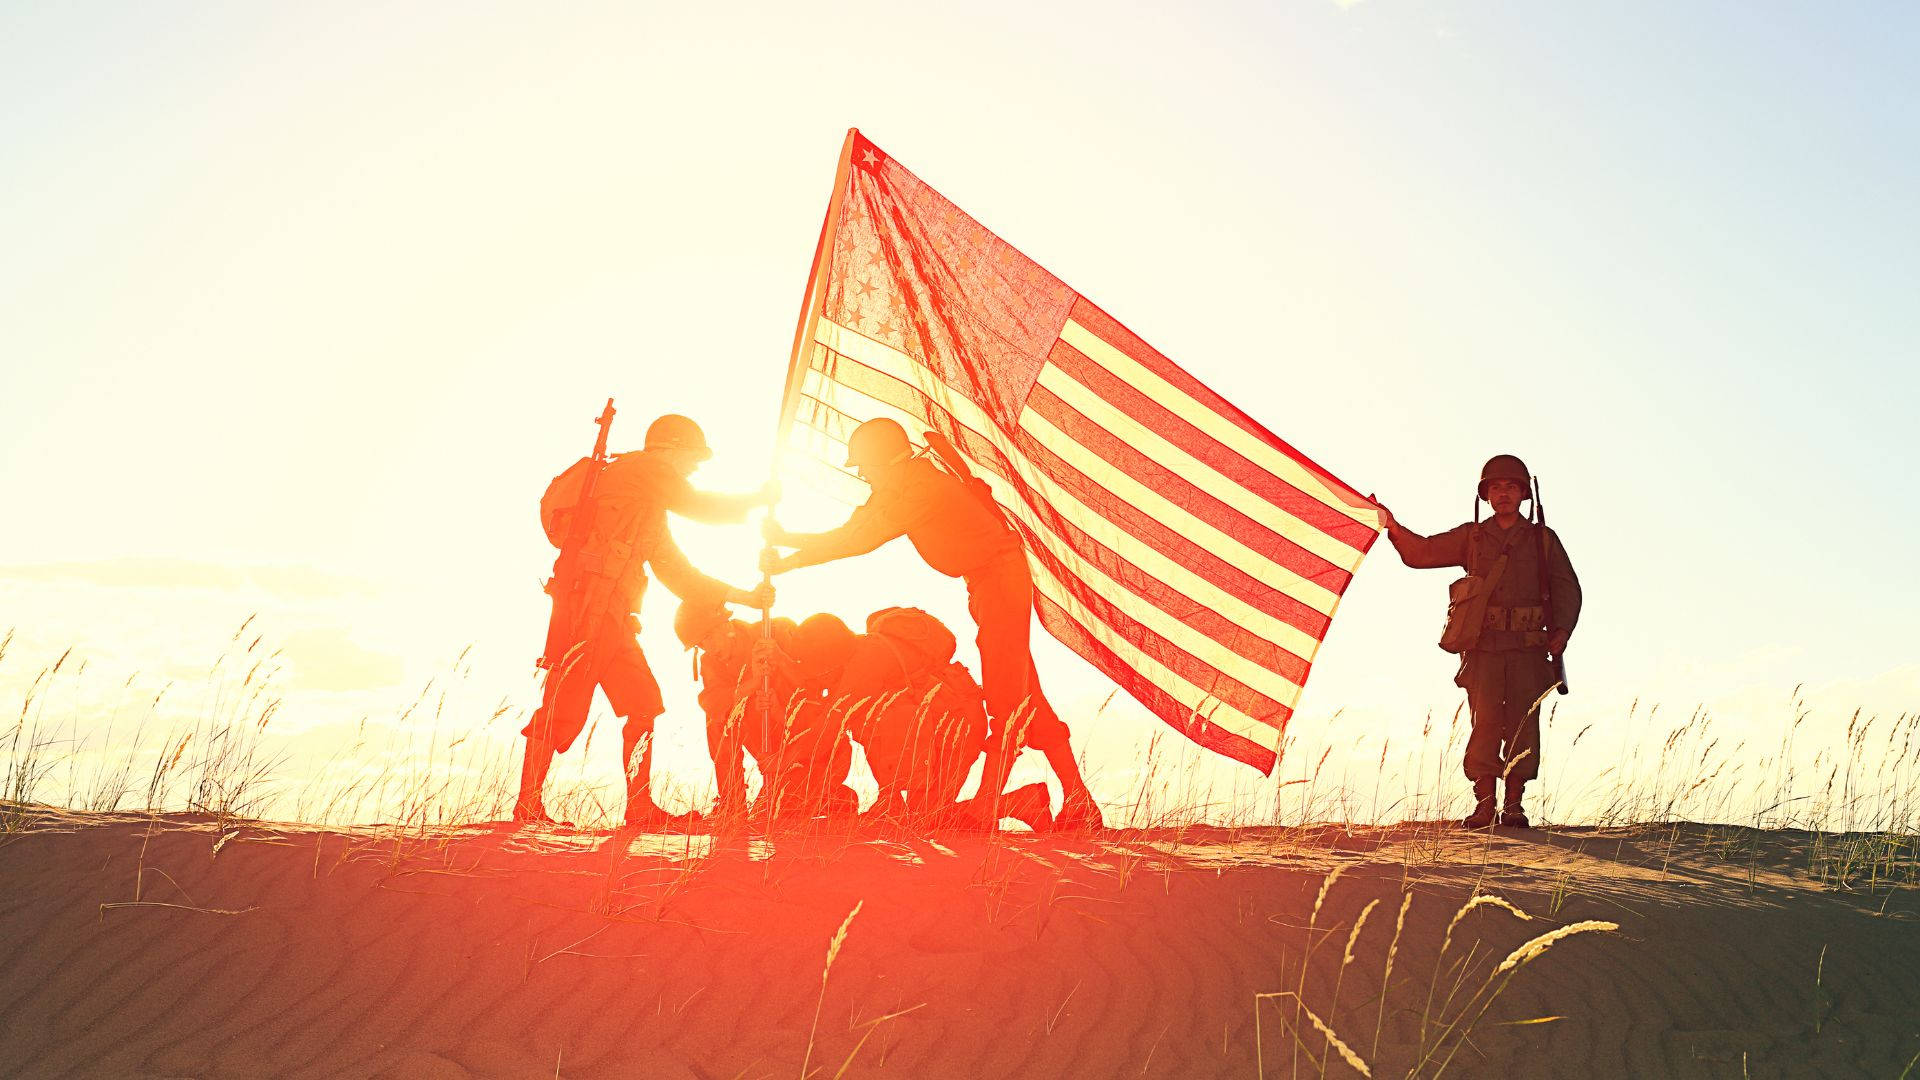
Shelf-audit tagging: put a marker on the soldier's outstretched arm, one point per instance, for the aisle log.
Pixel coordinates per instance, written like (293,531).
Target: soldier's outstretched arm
(713,507)
(680,577)
(1429,552)
(865,529)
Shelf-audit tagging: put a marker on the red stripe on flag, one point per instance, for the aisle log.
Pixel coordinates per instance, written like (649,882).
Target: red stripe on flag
(1209,679)
(1107,329)
(1195,558)
(1211,736)
(1158,478)
(1210,451)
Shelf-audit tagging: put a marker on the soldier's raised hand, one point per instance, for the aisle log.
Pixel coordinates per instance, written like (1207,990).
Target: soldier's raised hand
(1387,520)
(760,596)
(771,562)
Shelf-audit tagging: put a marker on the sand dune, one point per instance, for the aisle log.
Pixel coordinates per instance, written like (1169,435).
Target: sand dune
(183,946)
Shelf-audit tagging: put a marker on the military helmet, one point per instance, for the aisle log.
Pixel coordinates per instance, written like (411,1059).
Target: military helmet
(821,643)
(877,442)
(694,621)
(676,432)
(1506,467)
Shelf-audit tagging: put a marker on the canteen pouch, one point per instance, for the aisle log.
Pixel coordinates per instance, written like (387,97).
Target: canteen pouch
(1467,608)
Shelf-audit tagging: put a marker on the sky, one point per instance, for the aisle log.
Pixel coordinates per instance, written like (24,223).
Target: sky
(300,307)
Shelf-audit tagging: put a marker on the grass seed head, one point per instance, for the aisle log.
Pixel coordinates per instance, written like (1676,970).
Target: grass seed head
(1358,925)
(1532,949)
(1480,900)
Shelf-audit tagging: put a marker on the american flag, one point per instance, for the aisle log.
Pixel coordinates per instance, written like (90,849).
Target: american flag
(1180,547)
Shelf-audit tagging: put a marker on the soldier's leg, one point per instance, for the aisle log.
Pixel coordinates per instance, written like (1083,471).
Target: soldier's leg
(1483,676)
(1048,734)
(1528,676)
(635,696)
(729,768)
(1000,598)
(556,723)
(1002,615)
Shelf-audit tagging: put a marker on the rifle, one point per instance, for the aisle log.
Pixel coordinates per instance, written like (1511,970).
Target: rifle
(569,585)
(1546,585)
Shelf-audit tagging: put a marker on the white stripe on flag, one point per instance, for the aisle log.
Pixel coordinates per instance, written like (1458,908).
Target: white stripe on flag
(1122,425)
(1176,685)
(1149,559)
(1164,510)
(1180,403)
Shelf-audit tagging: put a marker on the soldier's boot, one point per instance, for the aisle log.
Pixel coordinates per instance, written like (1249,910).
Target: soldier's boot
(1482,816)
(1029,805)
(637,757)
(529,808)
(1512,816)
(1077,808)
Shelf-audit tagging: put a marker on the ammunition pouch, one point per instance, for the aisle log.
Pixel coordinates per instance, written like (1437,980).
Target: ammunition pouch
(1467,608)
(1517,619)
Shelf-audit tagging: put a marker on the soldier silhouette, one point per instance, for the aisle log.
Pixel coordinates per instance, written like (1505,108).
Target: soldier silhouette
(723,648)
(917,713)
(960,534)
(598,582)
(1507,633)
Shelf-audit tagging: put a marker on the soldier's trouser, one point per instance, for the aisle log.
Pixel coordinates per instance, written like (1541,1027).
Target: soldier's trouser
(611,660)
(1000,599)
(725,747)
(1502,689)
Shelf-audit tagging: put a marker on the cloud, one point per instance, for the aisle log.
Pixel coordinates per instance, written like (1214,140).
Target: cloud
(325,658)
(286,582)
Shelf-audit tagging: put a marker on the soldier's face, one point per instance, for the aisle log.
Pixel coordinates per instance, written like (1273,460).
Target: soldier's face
(1504,496)
(682,461)
(876,474)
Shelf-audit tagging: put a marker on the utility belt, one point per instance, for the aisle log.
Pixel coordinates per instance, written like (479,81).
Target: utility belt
(1516,619)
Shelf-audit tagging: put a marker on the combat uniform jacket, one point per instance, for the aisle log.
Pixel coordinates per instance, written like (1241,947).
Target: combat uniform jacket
(633,496)
(1515,619)
(953,530)
(960,535)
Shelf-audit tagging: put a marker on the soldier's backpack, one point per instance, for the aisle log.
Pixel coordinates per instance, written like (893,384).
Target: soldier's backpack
(927,637)
(561,501)
(1467,607)
(926,736)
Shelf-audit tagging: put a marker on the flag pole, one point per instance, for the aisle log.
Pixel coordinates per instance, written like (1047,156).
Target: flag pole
(811,303)
(815,297)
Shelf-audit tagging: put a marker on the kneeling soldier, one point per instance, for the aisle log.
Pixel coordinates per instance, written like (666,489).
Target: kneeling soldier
(1501,621)
(917,713)
(724,649)
(960,534)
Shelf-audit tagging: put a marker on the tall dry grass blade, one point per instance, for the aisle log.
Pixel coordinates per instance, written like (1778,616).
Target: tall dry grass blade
(833,951)
(1386,977)
(1334,1042)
